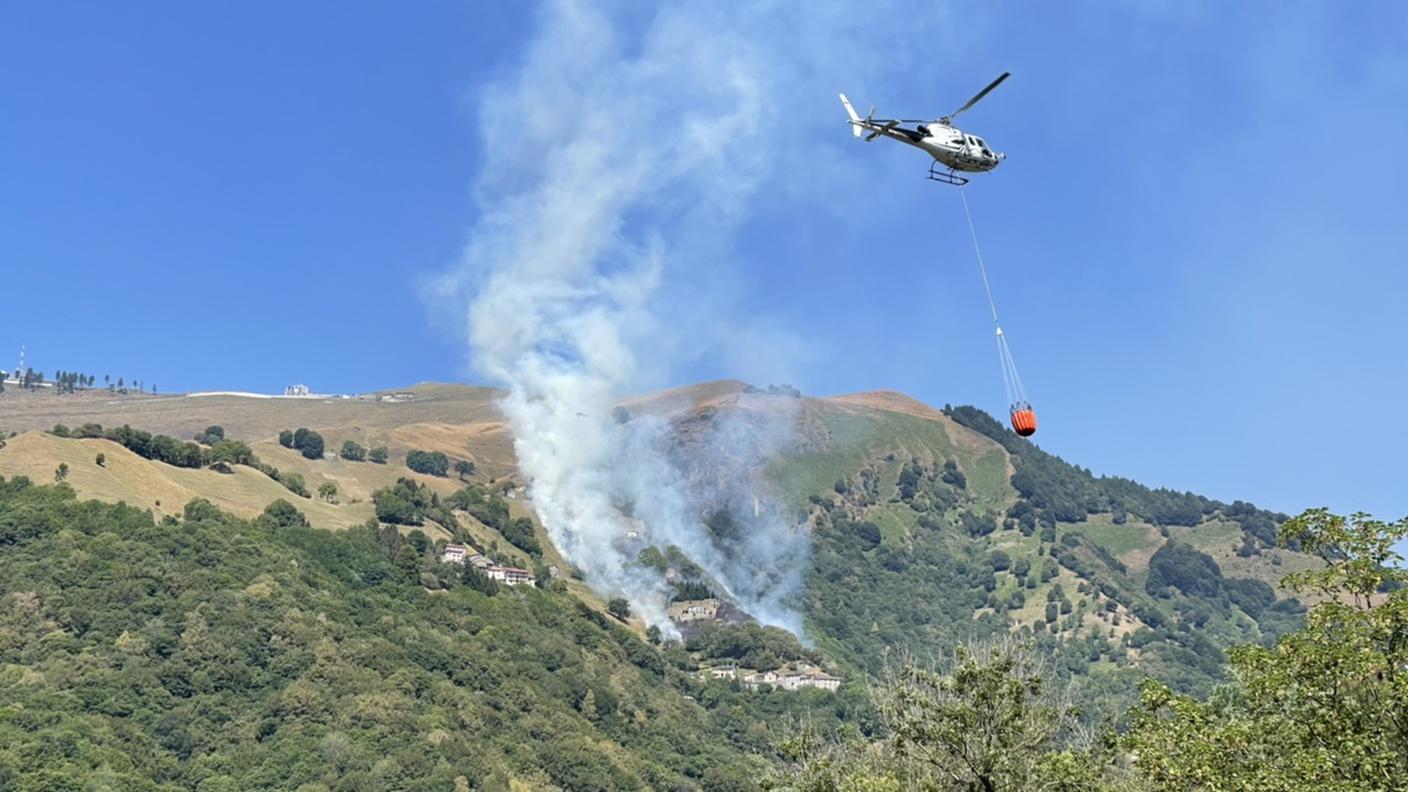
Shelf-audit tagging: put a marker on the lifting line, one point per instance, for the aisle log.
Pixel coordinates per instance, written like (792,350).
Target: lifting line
(1016,394)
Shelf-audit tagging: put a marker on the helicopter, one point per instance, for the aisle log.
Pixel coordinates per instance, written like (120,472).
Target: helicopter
(952,148)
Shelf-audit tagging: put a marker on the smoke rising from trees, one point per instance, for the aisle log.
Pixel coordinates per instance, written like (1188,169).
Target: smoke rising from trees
(620,156)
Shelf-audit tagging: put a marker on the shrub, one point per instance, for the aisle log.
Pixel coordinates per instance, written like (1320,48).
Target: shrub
(868,533)
(431,463)
(620,608)
(308,442)
(294,483)
(1180,566)
(211,435)
(409,502)
(231,452)
(279,514)
(520,534)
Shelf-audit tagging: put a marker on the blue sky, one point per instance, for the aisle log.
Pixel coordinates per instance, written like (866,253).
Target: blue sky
(1196,241)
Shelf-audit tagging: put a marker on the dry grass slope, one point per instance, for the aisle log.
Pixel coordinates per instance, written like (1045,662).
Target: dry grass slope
(839,434)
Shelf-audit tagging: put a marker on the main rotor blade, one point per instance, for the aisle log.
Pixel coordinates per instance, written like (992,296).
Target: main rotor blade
(981,94)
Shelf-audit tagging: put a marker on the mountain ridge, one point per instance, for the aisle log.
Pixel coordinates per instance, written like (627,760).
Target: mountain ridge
(928,527)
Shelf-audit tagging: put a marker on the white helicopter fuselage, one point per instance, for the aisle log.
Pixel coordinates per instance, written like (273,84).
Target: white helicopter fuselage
(958,150)
(947,144)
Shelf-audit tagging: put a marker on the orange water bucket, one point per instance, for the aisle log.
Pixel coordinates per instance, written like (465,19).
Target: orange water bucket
(1024,421)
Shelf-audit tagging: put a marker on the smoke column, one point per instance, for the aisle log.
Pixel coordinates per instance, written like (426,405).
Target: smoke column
(619,159)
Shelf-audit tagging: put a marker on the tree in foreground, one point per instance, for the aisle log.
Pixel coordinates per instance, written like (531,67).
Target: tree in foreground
(989,723)
(1326,708)
(378,455)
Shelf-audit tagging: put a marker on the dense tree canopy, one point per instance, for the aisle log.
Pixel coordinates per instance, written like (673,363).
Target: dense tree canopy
(1053,489)
(989,722)
(519,533)
(212,653)
(405,503)
(1326,708)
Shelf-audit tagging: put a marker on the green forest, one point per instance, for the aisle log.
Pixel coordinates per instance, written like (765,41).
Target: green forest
(974,629)
(906,558)
(1323,708)
(214,653)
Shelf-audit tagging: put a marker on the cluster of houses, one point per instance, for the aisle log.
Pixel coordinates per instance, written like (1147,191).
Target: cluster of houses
(509,576)
(802,676)
(795,677)
(688,611)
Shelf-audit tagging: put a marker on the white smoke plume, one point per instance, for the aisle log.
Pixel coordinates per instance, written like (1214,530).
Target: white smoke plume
(620,157)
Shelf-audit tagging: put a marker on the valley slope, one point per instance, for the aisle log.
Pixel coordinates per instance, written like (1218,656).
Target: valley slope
(929,527)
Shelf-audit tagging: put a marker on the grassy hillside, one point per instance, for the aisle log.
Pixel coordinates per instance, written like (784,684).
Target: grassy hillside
(932,528)
(460,421)
(929,526)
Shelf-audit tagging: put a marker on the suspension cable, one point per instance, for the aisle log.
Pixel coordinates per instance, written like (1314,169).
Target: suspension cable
(981,266)
(1011,380)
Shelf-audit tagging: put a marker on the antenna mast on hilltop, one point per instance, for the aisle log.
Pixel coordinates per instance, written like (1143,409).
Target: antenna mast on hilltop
(19,372)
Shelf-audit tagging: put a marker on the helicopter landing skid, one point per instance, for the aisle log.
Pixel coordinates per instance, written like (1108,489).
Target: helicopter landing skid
(948,176)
